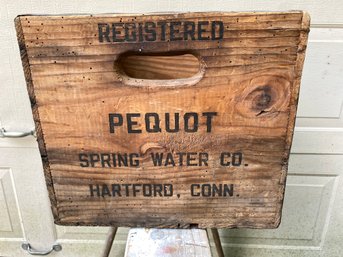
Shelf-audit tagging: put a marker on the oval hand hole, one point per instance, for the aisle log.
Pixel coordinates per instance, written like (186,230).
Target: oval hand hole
(160,69)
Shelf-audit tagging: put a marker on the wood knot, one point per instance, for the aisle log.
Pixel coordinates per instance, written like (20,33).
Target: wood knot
(149,146)
(264,96)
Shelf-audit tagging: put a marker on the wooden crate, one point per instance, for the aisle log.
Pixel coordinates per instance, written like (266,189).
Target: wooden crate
(165,120)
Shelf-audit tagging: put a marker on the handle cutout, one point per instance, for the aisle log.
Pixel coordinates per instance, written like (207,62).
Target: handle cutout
(160,69)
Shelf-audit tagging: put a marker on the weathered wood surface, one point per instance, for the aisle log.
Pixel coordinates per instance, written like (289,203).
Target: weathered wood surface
(244,91)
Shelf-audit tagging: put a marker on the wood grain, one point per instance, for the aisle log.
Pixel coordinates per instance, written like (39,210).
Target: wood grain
(249,77)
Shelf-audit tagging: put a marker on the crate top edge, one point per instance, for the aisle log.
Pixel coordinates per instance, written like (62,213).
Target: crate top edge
(119,14)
